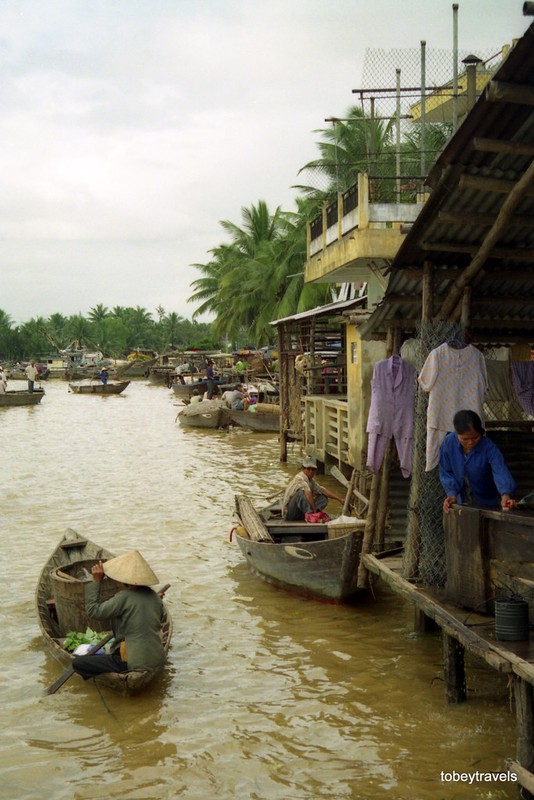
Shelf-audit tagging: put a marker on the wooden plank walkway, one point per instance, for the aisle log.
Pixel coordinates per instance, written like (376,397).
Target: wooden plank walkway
(464,630)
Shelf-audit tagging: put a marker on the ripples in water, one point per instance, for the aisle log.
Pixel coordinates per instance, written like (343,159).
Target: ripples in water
(267,695)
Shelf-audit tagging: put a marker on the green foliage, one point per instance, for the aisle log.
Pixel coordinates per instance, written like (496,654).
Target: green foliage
(116,333)
(74,638)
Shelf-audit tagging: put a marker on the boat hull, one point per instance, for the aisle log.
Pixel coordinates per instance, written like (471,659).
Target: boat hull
(98,388)
(258,421)
(21,398)
(206,414)
(71,549)
(326,569)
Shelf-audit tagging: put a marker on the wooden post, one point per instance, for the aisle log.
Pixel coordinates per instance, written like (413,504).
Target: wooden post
(453,670)
(284,384)
(383,499)
(412,549)
(524,711)
(422,623)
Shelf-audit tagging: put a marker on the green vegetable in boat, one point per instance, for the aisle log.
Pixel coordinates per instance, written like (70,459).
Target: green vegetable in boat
(74,638)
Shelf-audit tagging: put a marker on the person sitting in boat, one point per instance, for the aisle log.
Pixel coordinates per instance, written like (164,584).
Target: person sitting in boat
(3,380)
(196,397)
(103,375)
(304,495)
(237,399)
(472,468)
(136,612)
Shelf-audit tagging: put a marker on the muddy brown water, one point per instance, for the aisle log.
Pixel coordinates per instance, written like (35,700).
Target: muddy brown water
(266,696)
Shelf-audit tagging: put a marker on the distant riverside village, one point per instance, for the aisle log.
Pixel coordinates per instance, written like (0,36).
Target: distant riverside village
(392,345)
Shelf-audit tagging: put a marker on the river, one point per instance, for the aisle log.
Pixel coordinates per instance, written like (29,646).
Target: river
(266,696)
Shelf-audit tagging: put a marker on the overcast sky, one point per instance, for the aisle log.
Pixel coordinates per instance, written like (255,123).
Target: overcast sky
(130,128)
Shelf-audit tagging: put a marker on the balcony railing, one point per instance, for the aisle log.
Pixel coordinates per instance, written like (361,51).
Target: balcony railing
(326,428)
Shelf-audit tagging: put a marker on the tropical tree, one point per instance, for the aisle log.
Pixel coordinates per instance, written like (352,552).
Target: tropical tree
(356,143)
(260,272)
(98,313)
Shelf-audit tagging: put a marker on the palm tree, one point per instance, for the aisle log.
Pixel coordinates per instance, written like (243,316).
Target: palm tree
(98,313)
(357,143)
(170,326)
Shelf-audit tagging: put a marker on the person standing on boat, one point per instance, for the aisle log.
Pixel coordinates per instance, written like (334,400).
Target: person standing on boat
(210,379)
(136,612)
(304,495)
(103,375)
(3,380)
(31,374)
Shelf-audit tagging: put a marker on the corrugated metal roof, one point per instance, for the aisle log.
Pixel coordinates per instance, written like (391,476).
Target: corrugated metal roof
(329,309)
(475,179)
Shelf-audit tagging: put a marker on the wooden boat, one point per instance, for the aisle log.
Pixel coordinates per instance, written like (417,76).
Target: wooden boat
(111,387)
(256,421)
(21,397)
(60,604)
(206,414)
(318,560)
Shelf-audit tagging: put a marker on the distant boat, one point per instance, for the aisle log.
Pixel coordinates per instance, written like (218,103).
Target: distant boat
(21,398)
(99,388)
(205,414)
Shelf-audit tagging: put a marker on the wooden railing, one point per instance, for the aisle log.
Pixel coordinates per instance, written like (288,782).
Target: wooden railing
(326,429)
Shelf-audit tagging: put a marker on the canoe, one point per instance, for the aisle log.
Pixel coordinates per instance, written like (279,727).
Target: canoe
(60,604)
(21,398)
(312,559)
(256,421)
(99,388)
(184,391)
(206,414)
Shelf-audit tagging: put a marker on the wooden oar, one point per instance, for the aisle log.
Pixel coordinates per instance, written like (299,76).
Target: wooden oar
(70,671)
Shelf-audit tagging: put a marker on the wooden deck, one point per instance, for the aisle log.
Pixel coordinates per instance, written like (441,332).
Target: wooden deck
(465,630)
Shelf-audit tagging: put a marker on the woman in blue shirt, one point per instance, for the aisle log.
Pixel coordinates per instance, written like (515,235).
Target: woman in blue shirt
(472,468)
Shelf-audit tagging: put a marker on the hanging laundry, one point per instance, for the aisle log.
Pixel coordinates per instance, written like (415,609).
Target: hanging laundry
(456,379)
(391,412)
(523,380)
(500,388)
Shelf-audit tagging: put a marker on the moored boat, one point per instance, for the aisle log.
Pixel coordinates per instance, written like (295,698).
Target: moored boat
(205,414)
(261,421)
(21,397)
(60,605)
(314,559)
(111,387)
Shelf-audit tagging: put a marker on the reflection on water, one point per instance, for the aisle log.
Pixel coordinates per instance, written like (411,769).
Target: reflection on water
(267,695)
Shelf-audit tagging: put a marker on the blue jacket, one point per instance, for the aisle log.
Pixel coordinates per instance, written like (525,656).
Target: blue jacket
(488,476)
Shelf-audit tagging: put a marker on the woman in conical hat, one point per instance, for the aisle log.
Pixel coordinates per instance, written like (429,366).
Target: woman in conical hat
(136,612)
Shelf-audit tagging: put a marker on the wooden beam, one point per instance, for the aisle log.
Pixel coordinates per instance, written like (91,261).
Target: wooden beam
(516,196)
(503,146)
(502,92)
(526,302)
(427,292)
(524,776)
(497,185)
(521,254)
(453,218)
(524,712)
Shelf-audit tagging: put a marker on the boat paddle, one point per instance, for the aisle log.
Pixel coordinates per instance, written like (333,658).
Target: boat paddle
(70,671)
(93,649)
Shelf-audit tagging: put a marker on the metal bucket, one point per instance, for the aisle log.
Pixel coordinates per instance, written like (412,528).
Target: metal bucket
(511,620)
(68,591)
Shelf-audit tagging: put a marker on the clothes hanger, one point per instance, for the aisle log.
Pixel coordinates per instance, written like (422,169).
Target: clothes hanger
(456,344)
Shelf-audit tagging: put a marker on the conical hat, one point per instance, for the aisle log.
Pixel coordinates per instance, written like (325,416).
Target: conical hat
(130,568)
